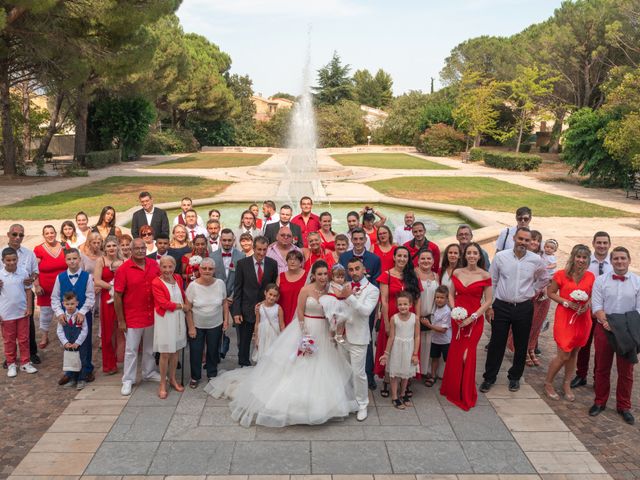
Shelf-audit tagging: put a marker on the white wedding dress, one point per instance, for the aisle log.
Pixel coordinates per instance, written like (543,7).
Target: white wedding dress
(287,389)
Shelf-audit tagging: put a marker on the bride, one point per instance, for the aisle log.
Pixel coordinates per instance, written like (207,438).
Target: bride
(288,389)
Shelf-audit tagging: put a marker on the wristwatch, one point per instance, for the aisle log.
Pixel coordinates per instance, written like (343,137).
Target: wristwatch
(565,304)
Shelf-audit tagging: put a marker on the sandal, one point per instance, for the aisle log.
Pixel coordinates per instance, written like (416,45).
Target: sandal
(385,390)
(529,360)
(407,401)
(397,403)
(408,392)
(568,395)
(193,384)
(177,387)
(163,394)
(550,392)
(535,359)
(430,381)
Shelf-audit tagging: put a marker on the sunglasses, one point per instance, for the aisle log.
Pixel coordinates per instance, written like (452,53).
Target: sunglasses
(147,235)
(523,219)
(15,234)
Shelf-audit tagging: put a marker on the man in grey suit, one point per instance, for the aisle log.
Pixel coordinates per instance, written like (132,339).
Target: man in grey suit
(226,258)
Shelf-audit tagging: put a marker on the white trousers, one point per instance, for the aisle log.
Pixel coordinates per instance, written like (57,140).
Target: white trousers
(46,315)
(133,336)
(357,356)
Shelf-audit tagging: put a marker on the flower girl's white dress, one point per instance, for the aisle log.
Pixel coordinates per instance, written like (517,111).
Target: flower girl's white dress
(287,389)
(268,331)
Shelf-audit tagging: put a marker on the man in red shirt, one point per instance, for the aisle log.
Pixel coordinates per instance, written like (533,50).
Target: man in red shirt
(420,242)
(306,220)
(134,310)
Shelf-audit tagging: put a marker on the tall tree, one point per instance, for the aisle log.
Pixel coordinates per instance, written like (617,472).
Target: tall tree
(334,83)
(373,91)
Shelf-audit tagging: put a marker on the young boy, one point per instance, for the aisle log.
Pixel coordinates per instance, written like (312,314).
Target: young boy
(15,308)
(441,327)
(81,284)
(72,334)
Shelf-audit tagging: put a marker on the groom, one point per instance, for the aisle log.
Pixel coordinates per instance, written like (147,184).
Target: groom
(361,298)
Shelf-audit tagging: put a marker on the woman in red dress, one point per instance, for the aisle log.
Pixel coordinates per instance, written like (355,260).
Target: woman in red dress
(253,208)
(341,246)
(190,272)
(369,223)
(51,262)
(327,235)
(470,284)
(572,323)
(112,339)
(315,252)
(401,277)
(384,248)
(291,282)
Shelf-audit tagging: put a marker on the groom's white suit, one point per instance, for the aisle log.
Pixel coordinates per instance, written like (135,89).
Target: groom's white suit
(361,302)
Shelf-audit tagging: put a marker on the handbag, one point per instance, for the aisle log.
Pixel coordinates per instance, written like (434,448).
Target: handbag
(224,345)
(71,361)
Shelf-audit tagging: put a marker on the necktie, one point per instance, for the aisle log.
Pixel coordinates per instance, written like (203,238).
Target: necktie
(600,268)
(622,278)
(355,284)
(226,254)
(75,275)
(407,229)
(260,272)
(193,234)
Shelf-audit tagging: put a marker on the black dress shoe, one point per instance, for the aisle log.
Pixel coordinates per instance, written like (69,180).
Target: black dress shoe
(514,385)
(578,382)
(627,417)
(485,386)
(595,410)
(373,386)
(35,359)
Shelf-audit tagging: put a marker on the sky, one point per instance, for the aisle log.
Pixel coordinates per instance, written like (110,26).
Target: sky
(410,39)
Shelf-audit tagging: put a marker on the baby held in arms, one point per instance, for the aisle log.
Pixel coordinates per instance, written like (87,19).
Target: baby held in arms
(333,305)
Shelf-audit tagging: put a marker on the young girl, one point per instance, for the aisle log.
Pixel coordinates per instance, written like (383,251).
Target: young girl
(269,321)
(333,306)
(549,255)
(401,356)
(68,235)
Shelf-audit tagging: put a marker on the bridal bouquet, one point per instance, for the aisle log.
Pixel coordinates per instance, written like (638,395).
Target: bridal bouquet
(307,346)
(195,261)
(459,315)
(580,297)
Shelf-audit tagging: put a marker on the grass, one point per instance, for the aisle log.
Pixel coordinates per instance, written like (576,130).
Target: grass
(388,160)
(119,192)
(214,160)
(490,194)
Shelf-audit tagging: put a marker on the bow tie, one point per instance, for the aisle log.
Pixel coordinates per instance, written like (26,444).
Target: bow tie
(75,275)
(226,254)
(355,284)
(213,242)
(622,278)
(408,229)
(268,219)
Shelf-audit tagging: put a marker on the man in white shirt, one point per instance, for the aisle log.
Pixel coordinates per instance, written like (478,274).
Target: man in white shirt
(193,229)
(516,276)
(617,291)
(505,239)
(269,214)
(186,204)
(403,233)
(599,265)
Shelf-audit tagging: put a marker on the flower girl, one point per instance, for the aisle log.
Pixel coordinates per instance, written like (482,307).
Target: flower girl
(401,358)
(269,321)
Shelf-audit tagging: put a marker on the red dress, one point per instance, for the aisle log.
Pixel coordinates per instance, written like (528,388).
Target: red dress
(325,244)
(112,338)
(289,292)
(396,286)
(459,379)
(313,258)
(373,235)
(386,258)
(49,267)
(571,331)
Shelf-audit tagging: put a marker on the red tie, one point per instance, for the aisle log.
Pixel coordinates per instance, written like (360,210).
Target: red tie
(260,272)
(622,278)
(193,234)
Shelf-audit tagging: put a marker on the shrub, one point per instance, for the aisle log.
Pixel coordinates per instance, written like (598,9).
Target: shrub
(545,148)
(525,148)
(170,141)
(75,171)
(102,158)
(440,140)
(512,161)
(476,154)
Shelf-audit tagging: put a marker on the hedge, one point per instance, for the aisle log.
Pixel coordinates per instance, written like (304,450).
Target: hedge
(171,141)
(512,161)
(102,158)
(476,154)
(440,140)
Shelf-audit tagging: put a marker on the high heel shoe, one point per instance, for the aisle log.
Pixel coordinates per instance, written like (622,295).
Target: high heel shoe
(568,394)
(551,394)
(385,390)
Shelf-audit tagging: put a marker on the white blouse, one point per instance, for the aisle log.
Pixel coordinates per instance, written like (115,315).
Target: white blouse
(207,303)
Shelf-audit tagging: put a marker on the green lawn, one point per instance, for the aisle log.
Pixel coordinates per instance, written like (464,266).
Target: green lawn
(490,194)
(215,160)
(119,192)
(388,160)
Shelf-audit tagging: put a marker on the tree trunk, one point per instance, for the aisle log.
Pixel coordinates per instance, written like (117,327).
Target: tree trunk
(476,140)
(81,116)
(8,140)
(52,129)
(519,137)
(556,131)
(26,112)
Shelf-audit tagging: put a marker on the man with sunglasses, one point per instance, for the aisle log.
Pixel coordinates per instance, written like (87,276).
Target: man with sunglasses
(505,239)
(27,261)
(279,249)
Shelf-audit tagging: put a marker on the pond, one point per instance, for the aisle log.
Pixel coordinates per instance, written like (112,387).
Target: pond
(439,224)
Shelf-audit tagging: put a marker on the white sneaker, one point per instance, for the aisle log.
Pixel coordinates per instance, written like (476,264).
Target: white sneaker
(153,377)
(27,367)
(362,414)
(12,370)
(126,389)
